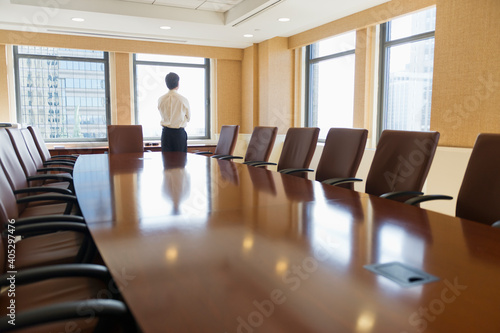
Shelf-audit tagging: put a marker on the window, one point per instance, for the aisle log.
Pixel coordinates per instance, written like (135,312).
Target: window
(150,72)
(55,91)
(330,83)
(406,67)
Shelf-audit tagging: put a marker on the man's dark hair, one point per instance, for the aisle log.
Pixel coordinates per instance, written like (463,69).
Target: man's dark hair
(172,80)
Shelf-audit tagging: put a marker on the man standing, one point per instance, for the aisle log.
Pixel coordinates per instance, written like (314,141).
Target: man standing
(175,114)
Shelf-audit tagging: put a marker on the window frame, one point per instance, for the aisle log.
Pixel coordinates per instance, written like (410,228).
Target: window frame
(205,65)
(309,62)
(104,60)
(385,44)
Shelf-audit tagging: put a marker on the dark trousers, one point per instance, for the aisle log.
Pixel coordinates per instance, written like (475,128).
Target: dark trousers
(173,139)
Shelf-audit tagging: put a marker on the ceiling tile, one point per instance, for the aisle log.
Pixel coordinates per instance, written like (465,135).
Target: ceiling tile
(192,4)
(215,6)
(141,1)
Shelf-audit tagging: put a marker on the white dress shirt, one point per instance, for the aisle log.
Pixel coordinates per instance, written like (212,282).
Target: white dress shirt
(174,110)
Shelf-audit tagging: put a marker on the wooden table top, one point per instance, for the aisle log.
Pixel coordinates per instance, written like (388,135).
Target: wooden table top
(201,245)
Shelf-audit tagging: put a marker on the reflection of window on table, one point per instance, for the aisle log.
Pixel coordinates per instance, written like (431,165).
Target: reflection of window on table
(63,92)
(150,71)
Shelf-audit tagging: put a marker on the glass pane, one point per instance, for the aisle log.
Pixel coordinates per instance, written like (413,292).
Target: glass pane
(409,86)
(337,44)
(48,51)
(413,24)
(150,85)
(52,99)
(170,58)
(332,97)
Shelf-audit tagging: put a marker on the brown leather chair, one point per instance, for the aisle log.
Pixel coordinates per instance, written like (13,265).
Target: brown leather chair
(227,141)
(42,149)
(342,153)
(33,150)
(478,196)
(47,298)
(298,150)
(34,166)
(260,145)
(401,163)
(125,139)
(19,184)
(68,240)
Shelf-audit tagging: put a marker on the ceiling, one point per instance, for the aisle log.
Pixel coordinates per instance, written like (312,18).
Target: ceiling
(210,5)
(197,22)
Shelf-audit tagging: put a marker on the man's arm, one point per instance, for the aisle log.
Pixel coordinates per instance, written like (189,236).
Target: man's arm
(188,110)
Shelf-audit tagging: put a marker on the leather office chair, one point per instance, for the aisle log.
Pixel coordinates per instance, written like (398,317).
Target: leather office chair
(47,298)
(125,139)
(20,184)
(298,150)
(478,196)
(35,155)
(44,151)
(227,142)
(260,145)
(65,237)
(401,163)
(342,153)
(29,166)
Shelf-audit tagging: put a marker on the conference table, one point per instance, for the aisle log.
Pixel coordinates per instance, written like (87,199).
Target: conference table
(197,244)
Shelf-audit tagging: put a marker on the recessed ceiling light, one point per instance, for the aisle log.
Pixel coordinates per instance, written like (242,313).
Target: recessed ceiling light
(248,35)
(284,19)
(78,19)
(165,27)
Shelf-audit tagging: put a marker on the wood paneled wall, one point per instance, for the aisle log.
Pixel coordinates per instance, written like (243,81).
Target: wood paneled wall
(276,84)
(466,90)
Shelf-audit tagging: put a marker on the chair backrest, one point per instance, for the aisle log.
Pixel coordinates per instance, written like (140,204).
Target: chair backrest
(40,143)
(478,196)
(8,204)
(125,139)
(227,140)
(402,161)
(22,152)
(261,143)
(11,163)
(298,149)
(342,153)
(32,148)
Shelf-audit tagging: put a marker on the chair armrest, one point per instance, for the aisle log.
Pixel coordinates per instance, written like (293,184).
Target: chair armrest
(203,153)
(496,224)
(50,169)
(219,156)
(71,157)
(29,230)
(423,198)
(44,189)
(392,195)
(68,310)
(31,275)
(60,178)
(253,162)
(68,199)
(337,181)
(291,170)
(69,163)
(258,163)
(50,218)
(45,197)
(230,157)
